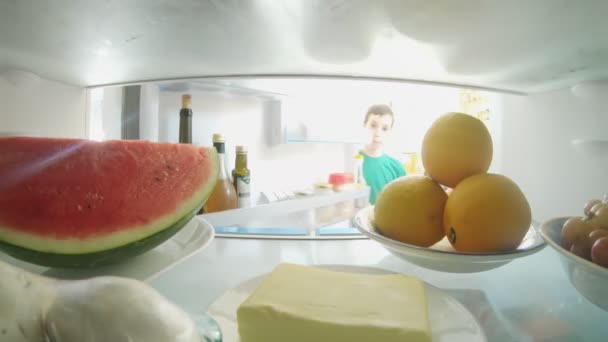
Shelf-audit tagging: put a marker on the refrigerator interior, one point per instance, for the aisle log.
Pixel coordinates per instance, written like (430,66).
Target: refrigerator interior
(553,144)
(291,80)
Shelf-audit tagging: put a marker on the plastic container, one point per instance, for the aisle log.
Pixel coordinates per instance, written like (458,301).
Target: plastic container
(339,180)
(359,179)
(343,182)
(324,213)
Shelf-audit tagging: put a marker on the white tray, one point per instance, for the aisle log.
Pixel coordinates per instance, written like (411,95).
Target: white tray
(194,237)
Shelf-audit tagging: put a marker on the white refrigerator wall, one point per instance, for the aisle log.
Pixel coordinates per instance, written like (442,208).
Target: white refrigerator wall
(33,106)
(537,153)
(244,120)
(335,111)
(105,113)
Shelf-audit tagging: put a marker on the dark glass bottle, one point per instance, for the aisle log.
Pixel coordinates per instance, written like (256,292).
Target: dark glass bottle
(185,120)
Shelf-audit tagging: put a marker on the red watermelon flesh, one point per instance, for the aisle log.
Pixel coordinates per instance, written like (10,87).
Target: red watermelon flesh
(79,196)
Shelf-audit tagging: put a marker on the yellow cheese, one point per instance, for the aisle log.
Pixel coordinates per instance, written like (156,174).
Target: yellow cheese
(302,304)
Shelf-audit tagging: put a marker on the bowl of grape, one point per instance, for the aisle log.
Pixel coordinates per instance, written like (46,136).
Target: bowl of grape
(582,244)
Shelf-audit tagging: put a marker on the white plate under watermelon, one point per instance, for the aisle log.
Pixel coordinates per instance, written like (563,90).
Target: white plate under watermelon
(195,236)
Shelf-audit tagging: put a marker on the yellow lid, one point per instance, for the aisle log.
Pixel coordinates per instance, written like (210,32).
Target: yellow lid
(358,156)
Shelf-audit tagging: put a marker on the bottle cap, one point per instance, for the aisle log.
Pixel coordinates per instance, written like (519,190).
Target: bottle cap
(186,101)
(218,138)
(241,149)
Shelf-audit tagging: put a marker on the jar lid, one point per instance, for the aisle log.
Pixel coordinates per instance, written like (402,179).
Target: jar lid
(218,138)
(241,149)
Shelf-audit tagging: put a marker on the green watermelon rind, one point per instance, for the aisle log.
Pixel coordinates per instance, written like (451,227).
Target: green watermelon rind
(97,259)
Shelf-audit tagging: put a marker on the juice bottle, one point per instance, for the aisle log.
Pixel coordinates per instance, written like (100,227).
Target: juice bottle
(223,196)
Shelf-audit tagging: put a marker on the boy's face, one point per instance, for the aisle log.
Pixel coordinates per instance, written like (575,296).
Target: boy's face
(379,126)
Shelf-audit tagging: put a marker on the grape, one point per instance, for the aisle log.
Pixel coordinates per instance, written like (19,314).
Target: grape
(599,252)
(597,234)
(582,249)
(574,231)
(590,205)
(595,208)
(600,218)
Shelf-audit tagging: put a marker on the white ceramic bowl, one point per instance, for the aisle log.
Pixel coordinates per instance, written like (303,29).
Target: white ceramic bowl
(442,256)
(589,279)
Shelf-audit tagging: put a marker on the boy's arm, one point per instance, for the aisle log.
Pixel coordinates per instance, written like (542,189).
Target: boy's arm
(397,165)
(401,170)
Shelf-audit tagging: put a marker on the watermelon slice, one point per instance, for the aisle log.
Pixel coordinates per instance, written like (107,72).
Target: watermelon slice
(80,203)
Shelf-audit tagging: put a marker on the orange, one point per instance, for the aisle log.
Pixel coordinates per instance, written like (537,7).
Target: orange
(410,210)
(455,147)
(486,213)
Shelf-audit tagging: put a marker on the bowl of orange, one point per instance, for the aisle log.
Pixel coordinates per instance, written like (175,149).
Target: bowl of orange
(442,256)
(484,221)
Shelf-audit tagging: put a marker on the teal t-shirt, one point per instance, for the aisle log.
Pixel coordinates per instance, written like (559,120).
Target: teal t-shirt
(379,171)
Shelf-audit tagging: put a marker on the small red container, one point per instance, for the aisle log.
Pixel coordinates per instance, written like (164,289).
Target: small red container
(337,179)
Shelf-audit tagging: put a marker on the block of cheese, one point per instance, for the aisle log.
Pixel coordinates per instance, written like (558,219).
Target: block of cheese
(302,304)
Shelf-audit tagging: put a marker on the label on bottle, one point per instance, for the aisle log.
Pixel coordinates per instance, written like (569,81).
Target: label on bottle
(241,185)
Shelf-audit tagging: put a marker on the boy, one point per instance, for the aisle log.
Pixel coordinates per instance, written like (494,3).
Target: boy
(378,168)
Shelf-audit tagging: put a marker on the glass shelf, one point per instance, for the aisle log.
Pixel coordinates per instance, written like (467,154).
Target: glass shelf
(311,217)
(529,299)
